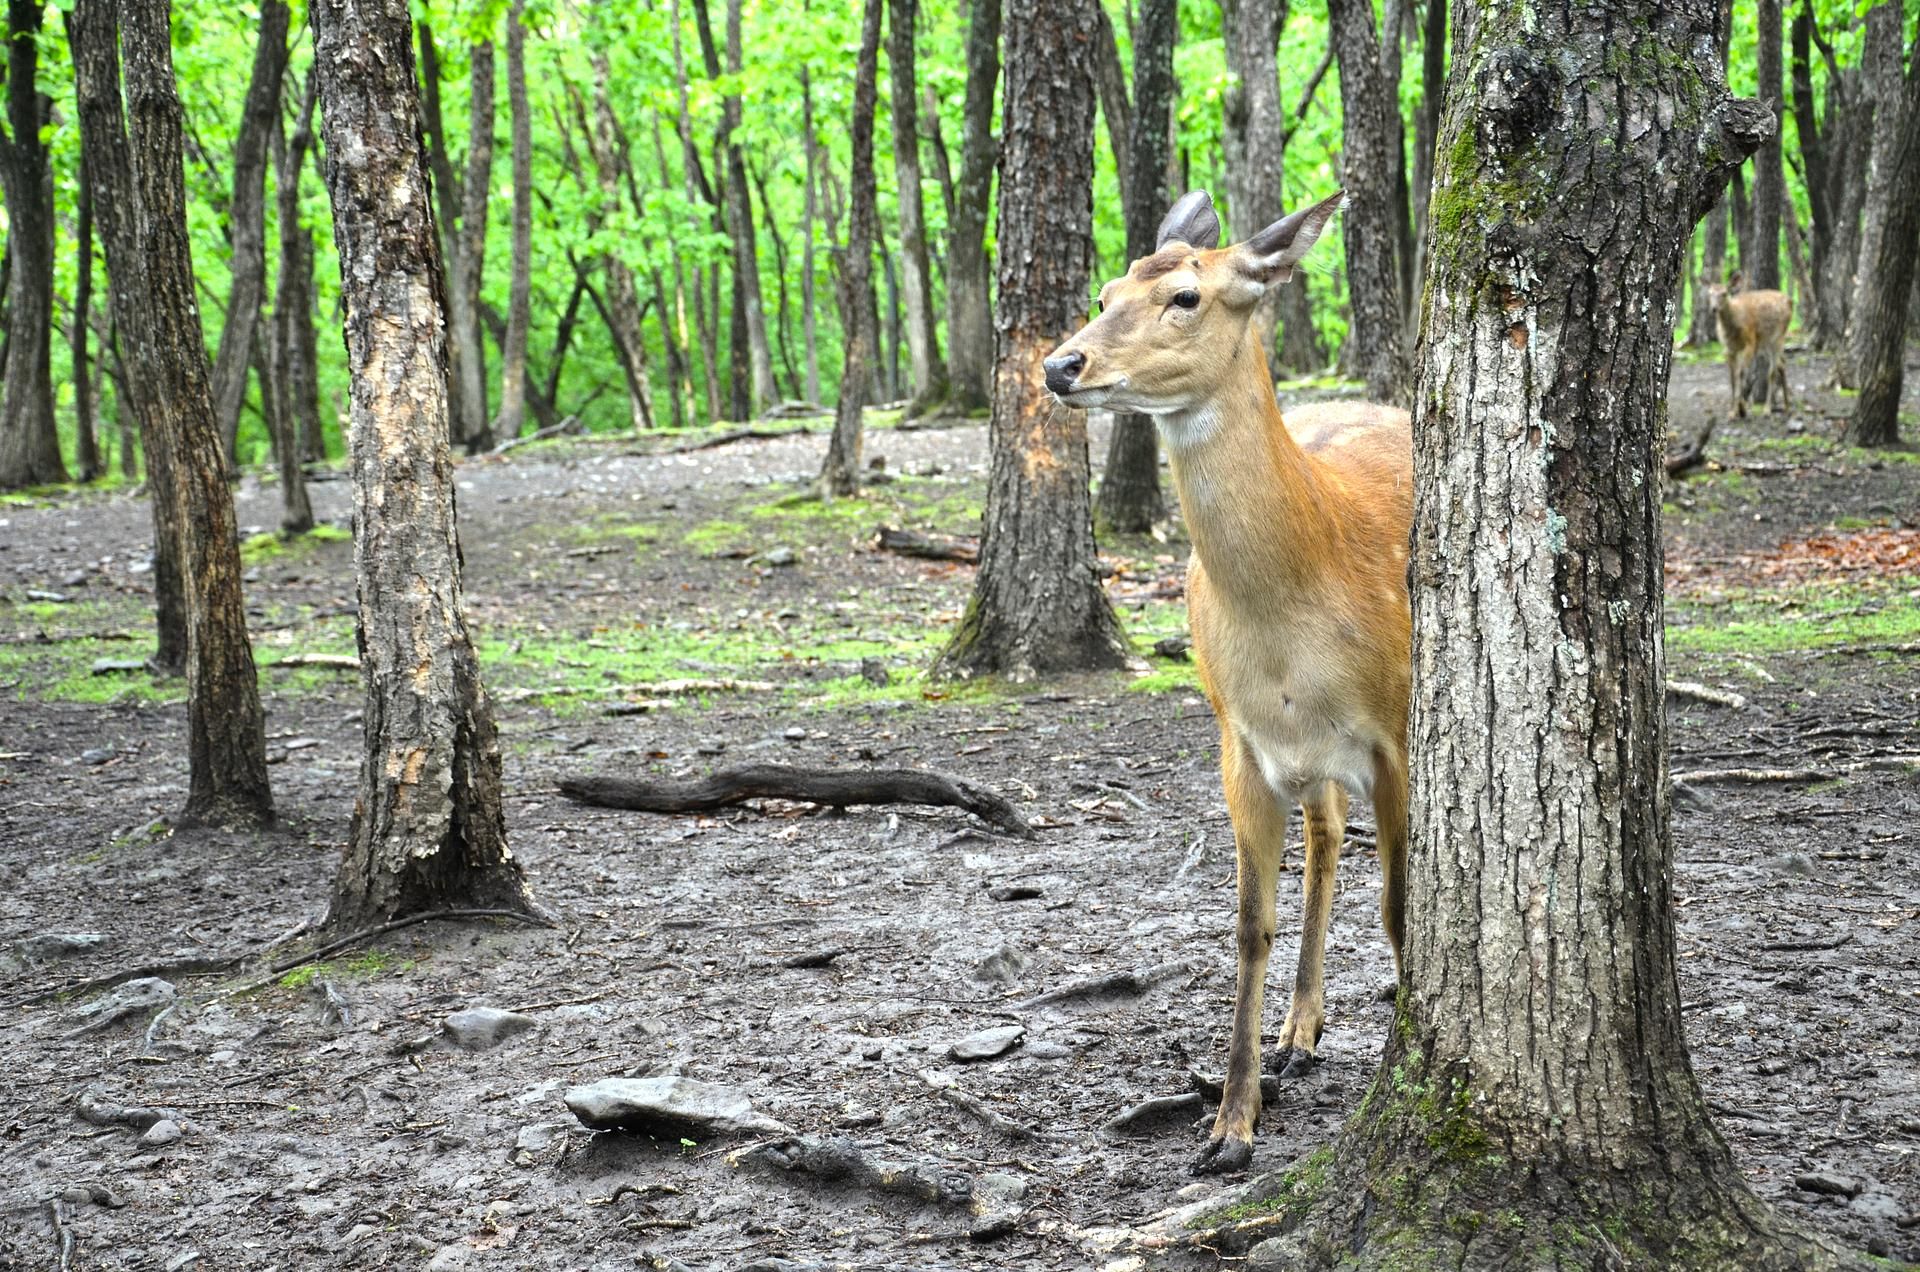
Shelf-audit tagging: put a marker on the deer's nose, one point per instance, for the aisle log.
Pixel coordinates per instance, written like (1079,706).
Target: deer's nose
(1063,369)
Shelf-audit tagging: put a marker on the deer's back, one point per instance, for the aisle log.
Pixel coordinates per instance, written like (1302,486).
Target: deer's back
(1754,319)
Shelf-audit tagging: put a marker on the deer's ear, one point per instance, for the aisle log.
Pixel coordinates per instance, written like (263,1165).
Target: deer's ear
(1269,256)
(1192,221)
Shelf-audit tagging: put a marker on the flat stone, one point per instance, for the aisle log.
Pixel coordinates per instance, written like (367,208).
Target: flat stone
(1829,1182)
(987,1044)
(136,997)
(160,1134)
(663,1107)
(481,1028)
(97,755)
(44,947)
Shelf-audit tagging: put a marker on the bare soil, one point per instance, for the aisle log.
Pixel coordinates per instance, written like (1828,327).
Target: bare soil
(326,1125)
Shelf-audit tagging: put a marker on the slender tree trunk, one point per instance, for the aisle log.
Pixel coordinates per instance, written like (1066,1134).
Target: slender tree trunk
(513,351)
(1426,126)
(1130,501)
(1769,174)
(1814,156)
(297,409)
(473,425)
(840,475)
(740,224)
(894,334)
(705,325)
(247,222)
(1881,82)
(969,315)
(1514,1124)
(622,298)
(683,408)
(226,729)
(739,343)
(93,37)
(808,322)
(1713,235)
(916,271)
(86,444)
(937,146)
(1255,136)
(782,310)
(29,442)
(1881,311)
(1037,605)
(1377,339)
(428,830)
(447,201)
(1392,36)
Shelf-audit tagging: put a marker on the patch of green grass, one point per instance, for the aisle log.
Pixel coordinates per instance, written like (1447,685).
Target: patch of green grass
(1813,617)
(257,549)
(1168,676)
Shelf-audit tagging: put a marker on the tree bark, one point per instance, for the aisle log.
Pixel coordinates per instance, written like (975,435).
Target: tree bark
(94,40)
(1037,605)
(1377,339)
(295,381)
(428,831)
(1536,1096)
(1881,310)
(840,474)
(694,179)
(916,272)
(969,316)
(29,442)
(740,223)
(1769,175)
(226,729)
(808,322)
(1426,126)
(1814,157)
(1255,136)
(622,298)
(473,426)
(247,222)
(513,352)
(1713,234)
(86,443)
(1881,81)
(1130,501)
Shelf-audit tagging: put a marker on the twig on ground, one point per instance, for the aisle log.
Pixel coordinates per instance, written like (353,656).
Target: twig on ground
(1703,777)
(653,688)
(1800,947)
(1131,983)
(1694,692)
(927,547)
(341,662)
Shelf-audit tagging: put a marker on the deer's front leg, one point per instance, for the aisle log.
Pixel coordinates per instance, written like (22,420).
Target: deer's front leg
(1260,837)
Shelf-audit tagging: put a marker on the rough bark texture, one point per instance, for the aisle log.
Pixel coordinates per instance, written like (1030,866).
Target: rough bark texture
(1882,82)
(1426,125)
(247,221)
(1130,499)
(740,225)
(294,379)
(969,316)
(916,273)
(1255,135)
(1713,234)
(1769,174)
(29,444)
(1377,341)
(513,350)
(94,39)
(226,729)
(1037,605)
(1880,317)
(86,443)
(428,831)
(840,475)
(1536,1106)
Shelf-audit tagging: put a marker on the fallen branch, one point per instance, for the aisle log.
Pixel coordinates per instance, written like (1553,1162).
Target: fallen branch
(569,425)
(826,787)
(840,1160)
(1802,947)
(727,439)
(927,547)
(949,1091)
(342,662)
(1883,763)
(647,688)
(1702,693)
(1132,984)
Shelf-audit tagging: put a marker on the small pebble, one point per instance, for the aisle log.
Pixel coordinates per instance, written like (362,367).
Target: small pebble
(987,1044)
(160,1134)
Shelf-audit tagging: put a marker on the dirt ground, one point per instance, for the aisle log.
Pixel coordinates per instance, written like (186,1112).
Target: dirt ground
(825,964)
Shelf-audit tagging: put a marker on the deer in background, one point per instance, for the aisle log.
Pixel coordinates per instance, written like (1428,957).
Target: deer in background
(1296,593)
(1751,322)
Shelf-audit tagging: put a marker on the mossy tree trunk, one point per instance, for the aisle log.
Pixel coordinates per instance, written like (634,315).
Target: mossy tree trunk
(1535,1106)
(840,474)
(1037,605)
(428,831)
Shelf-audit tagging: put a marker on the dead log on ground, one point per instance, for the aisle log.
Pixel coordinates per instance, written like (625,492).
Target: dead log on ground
(927,547)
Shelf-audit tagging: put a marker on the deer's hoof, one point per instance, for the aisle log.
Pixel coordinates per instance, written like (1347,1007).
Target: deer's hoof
(1221,1156)
(1292,1062)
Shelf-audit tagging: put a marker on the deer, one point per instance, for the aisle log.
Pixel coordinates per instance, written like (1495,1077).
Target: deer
(1751,322)
(1296,594)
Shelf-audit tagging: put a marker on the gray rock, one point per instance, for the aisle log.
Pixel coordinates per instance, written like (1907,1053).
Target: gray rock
(450,1258)
(481,1028)
(1793,863)
(874,672)
(662,1107)
(1830,1182)
(537,1135)
(136,997)
(781,556)
(97,755)
(987,1044)
(160,1134)
(1002,967)
(44,947)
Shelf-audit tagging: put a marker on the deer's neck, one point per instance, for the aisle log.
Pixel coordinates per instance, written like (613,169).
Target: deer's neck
(1257,507)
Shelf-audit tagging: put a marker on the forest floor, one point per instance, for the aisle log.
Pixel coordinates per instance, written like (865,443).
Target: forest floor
(825,964)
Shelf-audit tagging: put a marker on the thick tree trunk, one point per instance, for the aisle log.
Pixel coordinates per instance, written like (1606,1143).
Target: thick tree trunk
(94,40)
(1769,174)
(1881,311)
(226,729)
(1377,342)
(86,442)
(1130,500)
(740,225)
(840,474)
(810,211)
(969,315)
(1037,605)
(297,408)
(916,272)
(247,222)
(428,830)
(29,442)
(513,351)
(1535,1097)
(1881,82)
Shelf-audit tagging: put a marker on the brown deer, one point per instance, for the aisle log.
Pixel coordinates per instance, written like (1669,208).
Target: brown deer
(1297,592)
(1752,322)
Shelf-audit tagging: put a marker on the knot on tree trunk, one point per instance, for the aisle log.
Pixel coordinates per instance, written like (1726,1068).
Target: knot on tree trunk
(1516,100)
(1735,129)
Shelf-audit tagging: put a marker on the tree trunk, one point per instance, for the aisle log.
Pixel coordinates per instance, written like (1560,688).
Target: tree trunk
(297,410)
(695,182)
(1377,341)
(1110,87)
(1769,175)
(1887,278)
(808,322)
(86,443)
(1881,83)
(840,475)
(783,311)
(428,830)
(447,200)
(226,729)
(1255,136)
(1037,605)
(622,298)
(937,146)
(1535,1096)
(247,222)
(1130,501)
(1713,263)
(513,351)
(740,221)
(916,273)
(1426,127)
(1814,156)
(473,426)
(969,315)
(892,336)
(94,40)
(29,442)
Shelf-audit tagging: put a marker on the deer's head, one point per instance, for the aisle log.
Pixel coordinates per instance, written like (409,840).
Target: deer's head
(1170,328)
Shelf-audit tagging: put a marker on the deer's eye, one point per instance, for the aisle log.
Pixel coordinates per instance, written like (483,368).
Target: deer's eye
(1188,299)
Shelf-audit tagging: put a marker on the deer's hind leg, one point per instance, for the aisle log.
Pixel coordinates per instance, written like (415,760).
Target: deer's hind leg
(1737,379)
(1326,820)
(1777,373)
